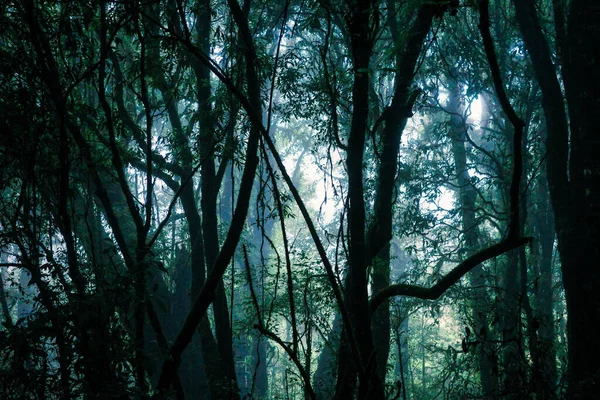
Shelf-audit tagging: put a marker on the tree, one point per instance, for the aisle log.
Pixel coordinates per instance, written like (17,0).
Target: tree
(202,199)
(572,174)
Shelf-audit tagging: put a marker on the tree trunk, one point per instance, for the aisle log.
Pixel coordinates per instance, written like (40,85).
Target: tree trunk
(324,378)
(467,198)
(381,317)
(361,338)
(542,252)
(210,190)
(573,175)
(395,119)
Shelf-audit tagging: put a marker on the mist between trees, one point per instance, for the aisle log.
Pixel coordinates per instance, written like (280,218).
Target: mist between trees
(299,199)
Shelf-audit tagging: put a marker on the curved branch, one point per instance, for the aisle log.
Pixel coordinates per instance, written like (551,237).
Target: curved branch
(517,123)
(450,278)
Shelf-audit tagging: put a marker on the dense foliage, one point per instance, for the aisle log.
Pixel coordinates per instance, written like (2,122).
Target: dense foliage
(297,199)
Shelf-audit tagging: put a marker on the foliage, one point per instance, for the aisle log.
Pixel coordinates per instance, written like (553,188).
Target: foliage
(201,199)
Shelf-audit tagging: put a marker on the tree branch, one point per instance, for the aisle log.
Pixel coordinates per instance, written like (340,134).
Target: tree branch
(450,278)
(517,123)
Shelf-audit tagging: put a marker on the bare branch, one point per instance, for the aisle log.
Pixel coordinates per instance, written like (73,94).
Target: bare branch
(450,278)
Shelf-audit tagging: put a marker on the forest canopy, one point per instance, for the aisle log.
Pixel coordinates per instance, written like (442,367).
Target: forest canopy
(333,199)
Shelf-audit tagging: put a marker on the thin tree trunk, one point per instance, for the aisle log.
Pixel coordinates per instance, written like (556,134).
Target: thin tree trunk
(210,190)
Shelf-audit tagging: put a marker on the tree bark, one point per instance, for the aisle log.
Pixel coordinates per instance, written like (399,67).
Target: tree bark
(356,290)
(573,174)
(210,190)
(542,222)
(395,119)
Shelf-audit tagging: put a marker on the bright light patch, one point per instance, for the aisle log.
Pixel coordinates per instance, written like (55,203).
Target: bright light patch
(475,111)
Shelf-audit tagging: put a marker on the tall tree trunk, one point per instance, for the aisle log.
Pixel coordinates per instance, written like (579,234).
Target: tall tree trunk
(356,290)
(192,371)
(210,189)
(573,174)
(467,199)
(514,301)
(536,384)
(381,317)
(208,344)
(513,372)
(395,119)
(543,227)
